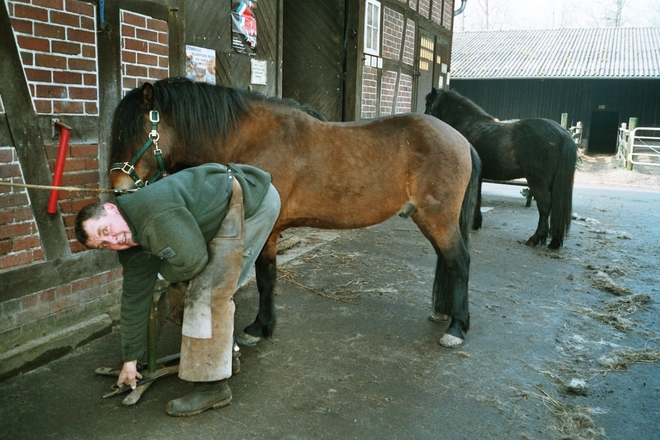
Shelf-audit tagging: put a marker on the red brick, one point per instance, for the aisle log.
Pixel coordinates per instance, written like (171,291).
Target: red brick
(21,26)
(47,295)
(88,51)
(6,216)
(73,107)
(24,243)
(62,291)
(5,247)
(128,56)
(87,23)
(15,260)
(127,31)
(33,43)
(51,91)
(36,14)
(162,38)
(49,31)
(65,18)
(158,73)
(91,108)
(147,59)
(43,107)
(38,255)
(83,150)
(66,47)
(158,49)
(80,178)
(10,170)
(164,62)
(145,34)
(80,8)
(129,83)
(158,25)
(135,20)
(89,79)
(136,45)
(38,75)
(83,36)
(52,61)
(86,93)
(67,78)
(16,230)
(52,4)
(14,199)
(22,214)
(80,64)
(77,205)
(133,70)
(29,301)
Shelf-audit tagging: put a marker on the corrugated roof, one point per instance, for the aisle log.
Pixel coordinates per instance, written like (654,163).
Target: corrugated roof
(557,53)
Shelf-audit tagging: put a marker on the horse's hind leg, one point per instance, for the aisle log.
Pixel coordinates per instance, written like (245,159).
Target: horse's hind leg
(450,287)
(543,203)
(266,274)
(477,219)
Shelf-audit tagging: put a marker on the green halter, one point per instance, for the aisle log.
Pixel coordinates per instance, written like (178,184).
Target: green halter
(129,167)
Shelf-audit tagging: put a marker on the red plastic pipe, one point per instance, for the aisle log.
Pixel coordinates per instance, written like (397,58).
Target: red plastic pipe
(65,132)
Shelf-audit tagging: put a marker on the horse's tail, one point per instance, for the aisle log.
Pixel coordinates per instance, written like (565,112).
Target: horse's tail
(470,198)
(562,193)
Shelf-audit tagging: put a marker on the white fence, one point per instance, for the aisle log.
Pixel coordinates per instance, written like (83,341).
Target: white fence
(639,146)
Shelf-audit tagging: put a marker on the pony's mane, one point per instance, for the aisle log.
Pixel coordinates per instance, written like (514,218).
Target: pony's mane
(198,112)
(465,104)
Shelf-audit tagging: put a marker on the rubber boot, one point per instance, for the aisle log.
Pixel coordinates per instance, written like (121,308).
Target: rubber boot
(206,395)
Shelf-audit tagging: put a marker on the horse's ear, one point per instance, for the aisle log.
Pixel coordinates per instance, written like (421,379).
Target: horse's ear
(148,95)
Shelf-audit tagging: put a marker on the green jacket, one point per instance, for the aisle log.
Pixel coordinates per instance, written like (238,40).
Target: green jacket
(172,220)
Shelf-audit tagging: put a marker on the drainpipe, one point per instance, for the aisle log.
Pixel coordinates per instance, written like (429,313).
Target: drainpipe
(461,9)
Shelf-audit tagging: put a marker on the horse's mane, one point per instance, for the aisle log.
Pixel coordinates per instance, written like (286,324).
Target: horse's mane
(464,105)
(198,112)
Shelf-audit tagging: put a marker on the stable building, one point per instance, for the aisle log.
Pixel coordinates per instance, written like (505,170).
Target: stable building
(66,64)
(600,77)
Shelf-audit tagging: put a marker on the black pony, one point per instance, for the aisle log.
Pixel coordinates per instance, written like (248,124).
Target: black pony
(539,150)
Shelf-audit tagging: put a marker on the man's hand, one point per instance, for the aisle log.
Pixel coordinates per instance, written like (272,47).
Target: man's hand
(129,374)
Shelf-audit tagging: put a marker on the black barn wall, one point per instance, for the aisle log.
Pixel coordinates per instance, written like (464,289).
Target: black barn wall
(549,98)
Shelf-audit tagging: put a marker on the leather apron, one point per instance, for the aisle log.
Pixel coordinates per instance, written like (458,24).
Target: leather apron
(208,318)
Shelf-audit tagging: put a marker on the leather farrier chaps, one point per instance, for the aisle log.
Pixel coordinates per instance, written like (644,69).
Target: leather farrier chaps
(208,318)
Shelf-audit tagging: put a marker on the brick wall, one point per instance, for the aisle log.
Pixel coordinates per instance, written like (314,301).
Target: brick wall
(448,16)
(392,34)
(409,44)
(43,313)
(81,170)
(144,49)
(404,95)
(424,8)
(387,89)
(369,91)
(19,239)
(57,42)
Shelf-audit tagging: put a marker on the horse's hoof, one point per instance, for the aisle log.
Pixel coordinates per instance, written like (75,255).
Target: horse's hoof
(245,340)
(439,317)
(450,341)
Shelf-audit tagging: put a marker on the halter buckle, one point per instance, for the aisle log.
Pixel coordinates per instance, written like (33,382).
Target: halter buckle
(127,168)
(154,116)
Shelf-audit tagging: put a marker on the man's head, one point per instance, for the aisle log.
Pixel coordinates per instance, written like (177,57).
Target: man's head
(101,226)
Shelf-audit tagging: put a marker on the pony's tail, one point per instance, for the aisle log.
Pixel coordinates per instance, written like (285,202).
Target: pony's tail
(562,193)
(470,198)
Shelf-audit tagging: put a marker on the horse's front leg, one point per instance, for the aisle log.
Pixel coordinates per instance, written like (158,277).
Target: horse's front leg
(266,274)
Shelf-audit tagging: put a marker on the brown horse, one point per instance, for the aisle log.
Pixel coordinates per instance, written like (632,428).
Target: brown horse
(329,175)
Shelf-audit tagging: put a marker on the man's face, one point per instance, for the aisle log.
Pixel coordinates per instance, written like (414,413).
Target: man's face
(110,231)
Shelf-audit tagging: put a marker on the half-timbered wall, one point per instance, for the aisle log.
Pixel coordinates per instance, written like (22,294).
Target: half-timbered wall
(396,77)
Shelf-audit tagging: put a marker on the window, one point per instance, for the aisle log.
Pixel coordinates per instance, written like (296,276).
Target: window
(372,27)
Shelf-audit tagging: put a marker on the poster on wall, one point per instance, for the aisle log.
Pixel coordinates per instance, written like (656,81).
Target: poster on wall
(200,64)
(244,26)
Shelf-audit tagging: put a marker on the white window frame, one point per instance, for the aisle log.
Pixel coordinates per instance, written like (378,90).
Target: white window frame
(372,27)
